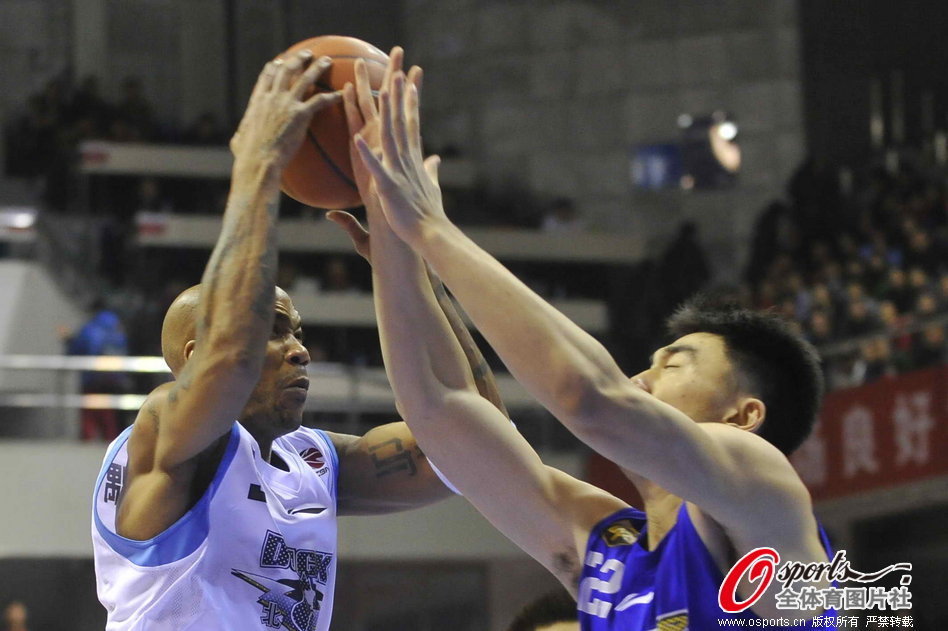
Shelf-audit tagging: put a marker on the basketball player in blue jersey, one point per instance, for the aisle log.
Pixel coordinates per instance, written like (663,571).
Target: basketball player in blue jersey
(703,432)
(216,509)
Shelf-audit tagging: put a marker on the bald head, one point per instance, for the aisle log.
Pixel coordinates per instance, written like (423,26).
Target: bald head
(179,327)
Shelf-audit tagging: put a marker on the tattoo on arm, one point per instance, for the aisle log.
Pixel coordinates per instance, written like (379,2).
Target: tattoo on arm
(184,383)
(154,417)
(391,457)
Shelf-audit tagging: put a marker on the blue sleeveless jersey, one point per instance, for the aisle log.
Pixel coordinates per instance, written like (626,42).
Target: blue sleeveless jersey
(624,587)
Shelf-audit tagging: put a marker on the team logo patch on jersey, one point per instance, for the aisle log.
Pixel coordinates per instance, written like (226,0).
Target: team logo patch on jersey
(675,621)
(621,533)
(313,457)
(289,601)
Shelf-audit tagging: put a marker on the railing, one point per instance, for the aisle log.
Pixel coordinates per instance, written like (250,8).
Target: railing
(350,391)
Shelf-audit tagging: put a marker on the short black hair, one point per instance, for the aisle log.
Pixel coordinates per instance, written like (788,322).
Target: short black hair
(555,606)
(780,367)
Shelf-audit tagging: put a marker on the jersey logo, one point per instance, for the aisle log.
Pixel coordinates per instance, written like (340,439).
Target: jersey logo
(674,621)
(621,533)
(290,603)
(635,599)
(315,459)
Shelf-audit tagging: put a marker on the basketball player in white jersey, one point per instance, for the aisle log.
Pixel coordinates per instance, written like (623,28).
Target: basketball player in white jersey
(216,509)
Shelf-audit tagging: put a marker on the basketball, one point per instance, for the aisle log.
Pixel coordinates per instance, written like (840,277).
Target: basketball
(320,174)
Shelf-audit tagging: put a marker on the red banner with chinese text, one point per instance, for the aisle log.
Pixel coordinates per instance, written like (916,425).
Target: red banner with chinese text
(887,433)
(890,432)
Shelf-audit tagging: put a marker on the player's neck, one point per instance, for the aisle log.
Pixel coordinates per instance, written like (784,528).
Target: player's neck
(661,508)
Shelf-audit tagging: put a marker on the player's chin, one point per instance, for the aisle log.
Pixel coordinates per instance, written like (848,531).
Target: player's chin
(290,412)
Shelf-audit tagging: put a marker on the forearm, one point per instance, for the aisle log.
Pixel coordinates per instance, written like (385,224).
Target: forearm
(240,276)
(481,371)
(422,357)
(554,359)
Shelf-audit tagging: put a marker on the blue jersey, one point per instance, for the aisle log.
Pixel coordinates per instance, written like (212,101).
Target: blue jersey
(624,587)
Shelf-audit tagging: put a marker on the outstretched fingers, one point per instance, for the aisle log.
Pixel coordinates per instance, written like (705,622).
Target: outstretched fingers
(432,163)
(354,120)
(387,131)
(363,89)
(383,179)
(413,123)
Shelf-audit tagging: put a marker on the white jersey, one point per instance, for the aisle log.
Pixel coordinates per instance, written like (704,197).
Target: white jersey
(256,552)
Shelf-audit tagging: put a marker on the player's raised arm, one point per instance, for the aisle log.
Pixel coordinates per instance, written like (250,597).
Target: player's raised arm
(547,513)
(565,368)
(385,470)
(235,310)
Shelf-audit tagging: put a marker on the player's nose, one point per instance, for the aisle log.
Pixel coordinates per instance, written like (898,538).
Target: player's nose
(297,354)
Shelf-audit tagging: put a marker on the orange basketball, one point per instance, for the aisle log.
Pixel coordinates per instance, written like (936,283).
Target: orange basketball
(320,174)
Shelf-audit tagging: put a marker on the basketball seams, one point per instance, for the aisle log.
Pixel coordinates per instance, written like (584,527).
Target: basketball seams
(328,160)
(320,174)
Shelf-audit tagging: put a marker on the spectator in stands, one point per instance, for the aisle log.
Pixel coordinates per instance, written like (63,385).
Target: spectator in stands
(820,329)
(898,291)
(563,216)
(102,334)
(917,281)
(929,348)
(684,268)
(336,276)
(205,131)
(88,108)
(920,253)
(877,357)
(15,617)
(135,112)
(821,299)
(859,320)
(942,291)
(925,306)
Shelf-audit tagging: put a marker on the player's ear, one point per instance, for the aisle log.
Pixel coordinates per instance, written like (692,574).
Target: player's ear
(189,349)
(748,414)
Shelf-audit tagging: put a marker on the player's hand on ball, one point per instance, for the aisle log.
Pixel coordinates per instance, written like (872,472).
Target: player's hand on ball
(406,183)
(278,113)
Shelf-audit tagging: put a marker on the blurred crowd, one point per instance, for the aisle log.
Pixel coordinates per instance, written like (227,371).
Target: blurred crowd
(42,142)
(854,258)
(868,264)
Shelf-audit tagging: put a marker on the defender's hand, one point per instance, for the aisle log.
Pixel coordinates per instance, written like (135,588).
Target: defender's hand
(278,113)
(362,117)
(406,183)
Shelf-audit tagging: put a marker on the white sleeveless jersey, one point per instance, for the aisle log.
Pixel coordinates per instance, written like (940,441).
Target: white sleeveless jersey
(256,552)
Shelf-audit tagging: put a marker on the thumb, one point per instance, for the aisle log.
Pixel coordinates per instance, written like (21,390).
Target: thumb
(346,221)
(358,234)
(431,167)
